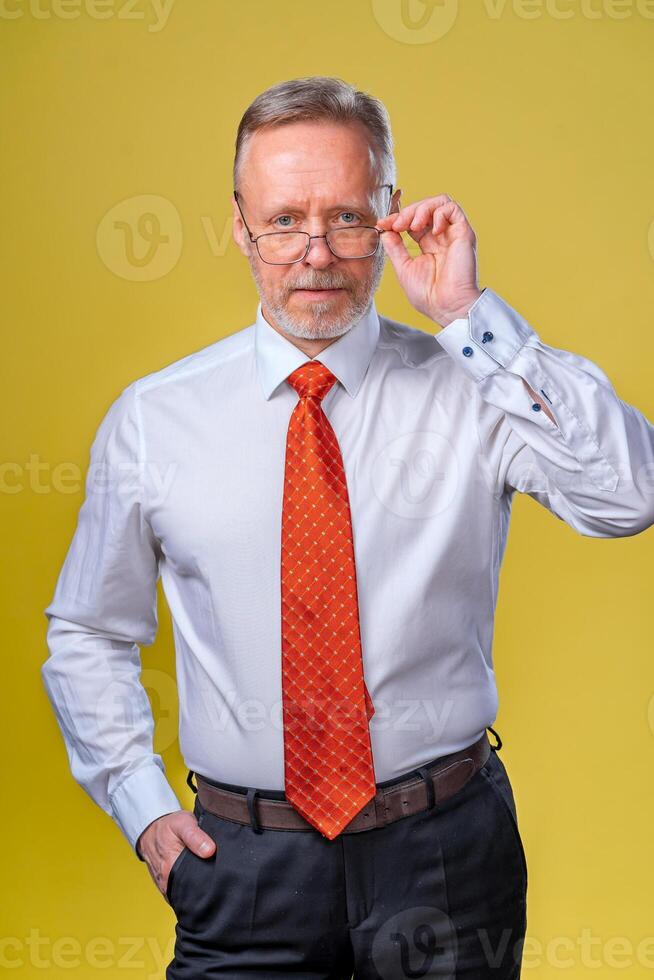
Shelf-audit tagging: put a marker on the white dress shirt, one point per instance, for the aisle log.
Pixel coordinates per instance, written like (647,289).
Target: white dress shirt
(186,482)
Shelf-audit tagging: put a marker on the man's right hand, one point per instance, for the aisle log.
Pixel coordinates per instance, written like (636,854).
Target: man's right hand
(163,839)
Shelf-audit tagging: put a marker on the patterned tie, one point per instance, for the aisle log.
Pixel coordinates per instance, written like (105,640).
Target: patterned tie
(329,773)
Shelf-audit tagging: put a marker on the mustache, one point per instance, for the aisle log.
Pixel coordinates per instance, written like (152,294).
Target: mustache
(307,282)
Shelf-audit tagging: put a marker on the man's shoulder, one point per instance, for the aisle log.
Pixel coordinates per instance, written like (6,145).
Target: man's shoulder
(188,368)
(414,346)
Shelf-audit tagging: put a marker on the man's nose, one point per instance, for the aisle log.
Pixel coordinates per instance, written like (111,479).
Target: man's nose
(319,255)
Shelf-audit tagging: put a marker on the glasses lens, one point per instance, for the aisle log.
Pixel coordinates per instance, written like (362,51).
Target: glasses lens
(286,246)
(353,243)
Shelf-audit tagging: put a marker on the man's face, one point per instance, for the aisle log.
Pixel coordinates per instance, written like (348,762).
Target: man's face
(311,176)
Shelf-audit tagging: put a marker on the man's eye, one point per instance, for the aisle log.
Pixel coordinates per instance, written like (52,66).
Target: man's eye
(286,220)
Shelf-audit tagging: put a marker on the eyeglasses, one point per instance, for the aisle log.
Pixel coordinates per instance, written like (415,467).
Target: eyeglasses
(287,247)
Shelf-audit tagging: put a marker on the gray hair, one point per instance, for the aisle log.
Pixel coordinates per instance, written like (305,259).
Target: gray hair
(320,97)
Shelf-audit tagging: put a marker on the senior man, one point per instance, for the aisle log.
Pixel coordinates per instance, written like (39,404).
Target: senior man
(326,495)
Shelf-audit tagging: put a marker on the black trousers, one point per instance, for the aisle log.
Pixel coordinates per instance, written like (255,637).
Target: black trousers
(441,893)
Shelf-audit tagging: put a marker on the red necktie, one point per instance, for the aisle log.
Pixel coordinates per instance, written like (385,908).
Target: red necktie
(328,766)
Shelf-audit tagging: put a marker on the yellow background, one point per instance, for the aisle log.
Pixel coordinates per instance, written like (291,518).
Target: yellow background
(539,124)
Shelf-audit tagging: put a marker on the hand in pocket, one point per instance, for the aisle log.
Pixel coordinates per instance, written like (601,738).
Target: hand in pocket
(164,841)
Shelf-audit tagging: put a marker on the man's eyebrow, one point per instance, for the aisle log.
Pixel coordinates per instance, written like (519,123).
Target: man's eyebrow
(346,206)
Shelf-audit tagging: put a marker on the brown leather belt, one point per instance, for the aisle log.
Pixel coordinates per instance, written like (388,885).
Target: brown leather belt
(435,783)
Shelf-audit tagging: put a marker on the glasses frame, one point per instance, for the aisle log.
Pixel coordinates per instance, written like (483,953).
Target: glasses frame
(266,234)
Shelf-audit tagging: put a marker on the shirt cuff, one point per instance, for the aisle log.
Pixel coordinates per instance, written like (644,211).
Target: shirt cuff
(141,798)
(487,338)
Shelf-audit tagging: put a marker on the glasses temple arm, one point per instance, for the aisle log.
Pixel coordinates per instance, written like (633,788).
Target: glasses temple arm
(243,217)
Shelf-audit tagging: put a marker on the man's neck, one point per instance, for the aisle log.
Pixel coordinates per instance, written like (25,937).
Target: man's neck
(308,346)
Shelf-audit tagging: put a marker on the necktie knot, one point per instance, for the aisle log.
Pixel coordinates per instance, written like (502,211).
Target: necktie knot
(311,380)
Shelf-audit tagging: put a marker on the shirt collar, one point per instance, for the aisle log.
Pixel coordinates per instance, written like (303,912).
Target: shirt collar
(347,357)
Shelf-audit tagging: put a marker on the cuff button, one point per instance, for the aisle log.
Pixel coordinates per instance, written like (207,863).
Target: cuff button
(487,336)
(467,351)
(536,407)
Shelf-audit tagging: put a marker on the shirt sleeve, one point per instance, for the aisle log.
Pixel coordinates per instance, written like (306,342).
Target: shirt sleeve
(104,605)
(594,466)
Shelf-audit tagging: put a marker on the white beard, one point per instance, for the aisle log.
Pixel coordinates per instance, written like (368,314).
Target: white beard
(319,321)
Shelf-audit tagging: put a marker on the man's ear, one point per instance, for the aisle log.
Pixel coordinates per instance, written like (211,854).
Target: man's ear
(239,231)
(395,201)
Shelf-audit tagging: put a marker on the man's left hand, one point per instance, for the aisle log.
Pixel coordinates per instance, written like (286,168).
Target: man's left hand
(441,282)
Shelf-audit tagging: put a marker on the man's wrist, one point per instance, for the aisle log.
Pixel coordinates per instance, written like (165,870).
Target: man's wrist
(461,310)
(137,845)
(140,799)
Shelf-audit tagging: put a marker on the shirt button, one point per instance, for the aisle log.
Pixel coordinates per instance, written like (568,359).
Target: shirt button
(487,336)
(536,407)
(467,351)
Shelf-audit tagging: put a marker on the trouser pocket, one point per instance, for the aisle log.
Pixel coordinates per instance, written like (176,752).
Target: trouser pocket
(182,857)
(497,777)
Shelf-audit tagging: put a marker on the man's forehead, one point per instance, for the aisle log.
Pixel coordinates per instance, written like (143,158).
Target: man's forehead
(315,180)
(307,139)
(279,164)
(303,200)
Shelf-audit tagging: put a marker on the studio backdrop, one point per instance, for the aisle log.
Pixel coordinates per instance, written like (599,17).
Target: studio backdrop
(119,122)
